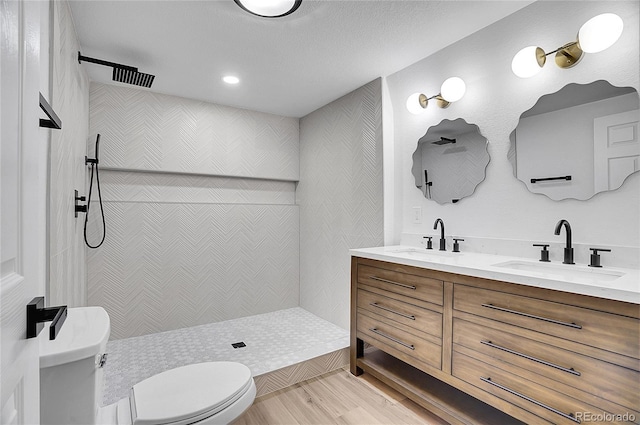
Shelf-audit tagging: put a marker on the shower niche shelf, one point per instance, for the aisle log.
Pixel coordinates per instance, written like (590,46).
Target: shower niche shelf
(185,173)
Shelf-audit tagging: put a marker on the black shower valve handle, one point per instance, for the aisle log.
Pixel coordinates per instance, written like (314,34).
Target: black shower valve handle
(544,253)
(595,257)
(79,208)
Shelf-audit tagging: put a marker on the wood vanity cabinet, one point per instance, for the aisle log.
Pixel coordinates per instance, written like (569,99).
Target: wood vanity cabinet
(479,351)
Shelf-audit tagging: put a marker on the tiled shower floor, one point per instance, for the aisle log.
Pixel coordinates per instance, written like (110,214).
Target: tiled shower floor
(273,341)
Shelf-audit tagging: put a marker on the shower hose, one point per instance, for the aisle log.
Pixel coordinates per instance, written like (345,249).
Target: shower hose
(94,167)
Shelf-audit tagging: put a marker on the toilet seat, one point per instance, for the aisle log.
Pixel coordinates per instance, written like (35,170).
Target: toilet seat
(188,394)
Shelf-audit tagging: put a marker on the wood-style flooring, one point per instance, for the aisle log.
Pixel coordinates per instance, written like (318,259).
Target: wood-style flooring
(337,398)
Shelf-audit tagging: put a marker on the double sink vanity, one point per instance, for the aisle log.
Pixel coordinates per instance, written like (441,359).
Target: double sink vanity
(488,339)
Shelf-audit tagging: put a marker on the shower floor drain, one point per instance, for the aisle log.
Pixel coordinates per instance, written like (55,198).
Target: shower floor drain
(238,344)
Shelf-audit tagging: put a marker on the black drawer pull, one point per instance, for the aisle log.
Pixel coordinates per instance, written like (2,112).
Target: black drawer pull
(397,341)
(569,416)
(408,316)
(499,347)
(392,282)
(532,316)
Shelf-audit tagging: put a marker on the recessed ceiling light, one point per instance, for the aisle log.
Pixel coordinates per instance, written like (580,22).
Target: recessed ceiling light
(230,79)
(269,8)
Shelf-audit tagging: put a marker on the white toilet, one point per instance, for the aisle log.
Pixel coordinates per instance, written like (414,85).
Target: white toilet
(71,380)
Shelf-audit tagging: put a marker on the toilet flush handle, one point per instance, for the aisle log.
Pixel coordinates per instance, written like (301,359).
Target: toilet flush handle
(101,359)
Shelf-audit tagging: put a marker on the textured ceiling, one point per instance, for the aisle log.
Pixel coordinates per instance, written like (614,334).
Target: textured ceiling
(288,66)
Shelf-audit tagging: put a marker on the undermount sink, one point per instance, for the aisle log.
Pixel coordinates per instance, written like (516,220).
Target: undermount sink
(426,252)
(564,271)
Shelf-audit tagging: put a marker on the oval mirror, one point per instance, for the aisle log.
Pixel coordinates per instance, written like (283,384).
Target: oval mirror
(450,161)
(577,142)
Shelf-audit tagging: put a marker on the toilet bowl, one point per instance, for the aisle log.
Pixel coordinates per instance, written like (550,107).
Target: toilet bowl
(71,381)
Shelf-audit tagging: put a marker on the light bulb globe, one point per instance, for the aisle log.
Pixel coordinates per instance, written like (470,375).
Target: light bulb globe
(413,104)
(453,89)
(525,63)
(600,32)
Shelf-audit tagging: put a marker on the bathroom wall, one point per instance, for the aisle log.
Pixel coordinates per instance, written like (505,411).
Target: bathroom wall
(340,195)
(199,202)
(502,209)
(70,100)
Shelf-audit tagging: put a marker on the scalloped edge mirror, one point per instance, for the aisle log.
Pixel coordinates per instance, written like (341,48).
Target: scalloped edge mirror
(577,142)
(450,161)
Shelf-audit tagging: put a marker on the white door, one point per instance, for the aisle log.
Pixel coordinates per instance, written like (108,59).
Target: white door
(616,149)
(23,157)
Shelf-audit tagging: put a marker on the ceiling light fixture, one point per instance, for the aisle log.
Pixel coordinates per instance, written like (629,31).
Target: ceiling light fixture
(269,8)
(451,90)
(596,35)
(230,79)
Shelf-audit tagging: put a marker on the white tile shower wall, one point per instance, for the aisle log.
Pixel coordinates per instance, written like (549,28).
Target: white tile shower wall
(142,130)
(501,207)
(340,197)
(166,266)
(205,229)
(70,100)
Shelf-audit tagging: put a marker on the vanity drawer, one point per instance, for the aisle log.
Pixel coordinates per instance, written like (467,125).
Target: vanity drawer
(427,349)
(418,320)
(582,373)
(618,334)
(414,286)
(548,404)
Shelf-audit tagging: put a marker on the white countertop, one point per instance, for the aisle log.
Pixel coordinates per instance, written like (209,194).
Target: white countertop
(612,283)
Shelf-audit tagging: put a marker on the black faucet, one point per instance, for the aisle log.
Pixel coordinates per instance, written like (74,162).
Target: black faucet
(568,250)
(443,241)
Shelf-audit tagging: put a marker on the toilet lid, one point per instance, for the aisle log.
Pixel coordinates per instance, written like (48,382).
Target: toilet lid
(189,393)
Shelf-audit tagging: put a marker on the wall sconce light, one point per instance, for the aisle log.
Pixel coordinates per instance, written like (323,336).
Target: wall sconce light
(596,35)
(451,90)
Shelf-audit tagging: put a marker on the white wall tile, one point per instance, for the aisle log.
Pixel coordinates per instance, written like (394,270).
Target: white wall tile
(340,197)
(166,266)
(186,243)
(143,130)
(70,100)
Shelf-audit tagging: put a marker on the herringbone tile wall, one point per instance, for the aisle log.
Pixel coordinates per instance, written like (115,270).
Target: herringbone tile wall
(186,243)
(70,100)
(142,130)
(167,266)
(340,197)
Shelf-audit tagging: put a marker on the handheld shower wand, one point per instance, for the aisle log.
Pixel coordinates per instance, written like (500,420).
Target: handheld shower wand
(94,166)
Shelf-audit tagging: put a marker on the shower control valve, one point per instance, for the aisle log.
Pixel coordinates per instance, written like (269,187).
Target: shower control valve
(78,207)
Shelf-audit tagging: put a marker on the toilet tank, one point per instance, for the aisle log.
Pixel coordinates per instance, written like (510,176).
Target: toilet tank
(71,374)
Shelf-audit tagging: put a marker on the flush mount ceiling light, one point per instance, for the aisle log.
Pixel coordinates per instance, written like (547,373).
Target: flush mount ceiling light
(269,8)
(596,35)
(451,90)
